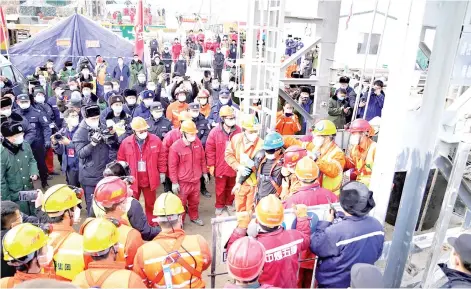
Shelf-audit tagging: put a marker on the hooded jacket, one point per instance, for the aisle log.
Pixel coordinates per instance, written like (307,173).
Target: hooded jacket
(454,278)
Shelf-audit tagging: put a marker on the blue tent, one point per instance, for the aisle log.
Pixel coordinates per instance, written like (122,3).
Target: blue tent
(73,39)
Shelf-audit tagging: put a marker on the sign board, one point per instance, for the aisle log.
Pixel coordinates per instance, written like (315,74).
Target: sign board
(92,43)
(63,42)
(462,67)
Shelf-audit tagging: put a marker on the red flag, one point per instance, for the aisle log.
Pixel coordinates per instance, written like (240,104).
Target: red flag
(3,31)
(139,46)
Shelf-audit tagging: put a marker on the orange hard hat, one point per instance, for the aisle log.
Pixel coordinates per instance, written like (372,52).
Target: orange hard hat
(360,125)
(245,259)
(269,211)
(203,93)
(184,115)
(138,123)
(110,191)
(292,155)
(188,126)
(226,111)
(306,169)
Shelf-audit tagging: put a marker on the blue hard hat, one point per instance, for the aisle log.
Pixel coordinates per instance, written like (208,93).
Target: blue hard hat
(272,141)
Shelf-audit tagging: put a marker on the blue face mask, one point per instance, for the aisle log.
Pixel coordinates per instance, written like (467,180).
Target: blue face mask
(341,97)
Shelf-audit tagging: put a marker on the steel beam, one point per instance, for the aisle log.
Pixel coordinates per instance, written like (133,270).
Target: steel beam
(300,53)
(300,81)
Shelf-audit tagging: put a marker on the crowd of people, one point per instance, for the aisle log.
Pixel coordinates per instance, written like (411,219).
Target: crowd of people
(119,143)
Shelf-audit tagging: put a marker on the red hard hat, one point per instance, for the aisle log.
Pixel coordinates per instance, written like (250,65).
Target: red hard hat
(292,155)
(359,125)
(110,191)
(245,259)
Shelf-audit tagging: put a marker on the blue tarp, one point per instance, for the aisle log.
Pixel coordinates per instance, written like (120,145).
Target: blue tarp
(71,39)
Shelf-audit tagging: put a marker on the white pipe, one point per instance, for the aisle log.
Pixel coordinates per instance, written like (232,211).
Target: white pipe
(380,45)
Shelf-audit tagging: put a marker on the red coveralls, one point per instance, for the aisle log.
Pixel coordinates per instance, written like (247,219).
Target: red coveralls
(176,50)
(283,248)
(170,138)
(199,37)
(224,174)
(155,161)
(311,195)
(186,165)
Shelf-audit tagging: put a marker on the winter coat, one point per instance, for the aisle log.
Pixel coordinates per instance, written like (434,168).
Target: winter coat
(130,109)
(214,114)
(155,71)
(140,87)
(375,106)
(233,51)
(122,123)
(52,101)
(92,159)
(455,278)
(46,108)
(167,61)
(40,125)
(65,74)
(135,69)
(173,110)
(343,243)
(16,170)
(124,72)
(142,111)
(336,113)
(176,50)
(351,96)
(215,148)
(287,125)
(180,67)
(203,127)
(283,248)
(186,163)
(70,161)
(151,153)
(218,61)
(160,127)
(29,131)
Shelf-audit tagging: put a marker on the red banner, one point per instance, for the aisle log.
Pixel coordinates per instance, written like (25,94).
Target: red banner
(3,31)
(139,47)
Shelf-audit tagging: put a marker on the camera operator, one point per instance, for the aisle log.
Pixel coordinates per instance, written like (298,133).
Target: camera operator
(94,150)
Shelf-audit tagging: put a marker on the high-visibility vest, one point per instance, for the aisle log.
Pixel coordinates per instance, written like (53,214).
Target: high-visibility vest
(123,243)
(68,254)
(365,167)
(332,184)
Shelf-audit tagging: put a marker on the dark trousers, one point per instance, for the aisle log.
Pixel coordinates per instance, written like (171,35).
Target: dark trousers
(153,51)
(218,74)
(167,185)
(203,185)
(89,190)
(72,178)
(39,153)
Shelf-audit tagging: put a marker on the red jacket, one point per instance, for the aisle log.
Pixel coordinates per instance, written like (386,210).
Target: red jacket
(176,50)
(215,148)
(170,138)
(186,163)
(283,248)
(200,36)
(208,46)
(152,154)
(215,46)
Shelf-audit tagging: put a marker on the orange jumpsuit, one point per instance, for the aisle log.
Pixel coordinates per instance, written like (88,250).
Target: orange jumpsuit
(361,159)
(234,156)
(192,259)
(173,110)
(287,125)
(19,277)
(105,274)
(331,162)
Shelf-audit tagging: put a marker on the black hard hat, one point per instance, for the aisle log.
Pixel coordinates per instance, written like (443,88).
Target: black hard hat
(356,199)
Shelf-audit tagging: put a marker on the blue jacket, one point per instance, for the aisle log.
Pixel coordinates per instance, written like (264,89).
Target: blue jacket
(70,160)
(160,127)
(142,111)
(52,101)
(454,278)
(203,127)
(104,113)
(92,159)
(125,73)
(180,67)
(214,114)
(375,106)
(30,133)
(40,125)
(140,87)
(343,243)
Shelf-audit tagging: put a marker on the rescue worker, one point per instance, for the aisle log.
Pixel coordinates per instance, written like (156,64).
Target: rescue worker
(111,194)
(360,158)
(176,107)
(267,166)
(283,246)
(346,238)
(142,110)
(158,123)
(310,194)
(290,182)
(6,114)
(217,166)
(287,123)
(18,166)
(60,203)
(25,247)
(203,100)
(116,118)
(92,150)
(186,165)
(131,100)
(328,156)
(245,261)
(190,253)
(42,141)
(101,243)
(238,155)
(224,99)
(144,154)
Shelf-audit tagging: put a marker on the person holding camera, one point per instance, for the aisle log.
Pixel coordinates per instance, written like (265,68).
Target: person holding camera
(63,145)
(117,117)
(18,166)
(92,149)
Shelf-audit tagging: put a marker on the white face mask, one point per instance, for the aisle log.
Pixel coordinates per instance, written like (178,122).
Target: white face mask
(39,98)
(131,101)
(344,86)
(106,90)
(195,114)
(85,73)
(117,109)
(230,122)
(147,102)
(270,156)
(120,62)
(142,135)
(73,121)
(251,136)
(318,141)
(224,101)
(116,87)
(151,87)
(141,79)
(93,123)
(354,139)
(58,92)
(24,105)
(253,229)
(73,87)
(190,138)
(45,259)
(157,114)
(6,112)
(215,86)
(203,101)
(19,139)
(182,97)
(76,215)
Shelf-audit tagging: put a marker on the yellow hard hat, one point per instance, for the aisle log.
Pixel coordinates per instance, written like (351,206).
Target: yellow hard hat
(138,123)
(98,235)
(168,204)
(188,126)
(59,198)
(250,121)
(226,111)
(22,240)
(324,127)
(269,211)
